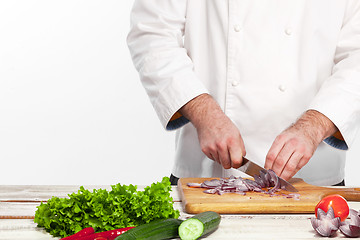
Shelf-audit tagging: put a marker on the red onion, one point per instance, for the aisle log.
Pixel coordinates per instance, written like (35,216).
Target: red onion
(351,228)
(326,224)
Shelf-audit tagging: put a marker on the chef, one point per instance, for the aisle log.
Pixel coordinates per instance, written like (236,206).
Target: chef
(277,81)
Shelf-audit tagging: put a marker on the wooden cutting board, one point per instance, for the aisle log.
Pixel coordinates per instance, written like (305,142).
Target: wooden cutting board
(194,200)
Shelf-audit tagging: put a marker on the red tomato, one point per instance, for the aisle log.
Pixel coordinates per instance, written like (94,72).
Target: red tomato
(337,202)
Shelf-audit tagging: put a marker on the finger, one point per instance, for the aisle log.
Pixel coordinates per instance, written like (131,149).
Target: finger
(224,157)
(274,151)
(214,156)
(210,151)
(282,159)
(236,155)
(303,161)
(291,167)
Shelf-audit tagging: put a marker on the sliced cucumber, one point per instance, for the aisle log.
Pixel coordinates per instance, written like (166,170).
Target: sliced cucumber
(156,230)
(199,225)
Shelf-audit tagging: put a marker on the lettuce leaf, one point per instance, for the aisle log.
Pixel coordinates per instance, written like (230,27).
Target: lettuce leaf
(122,206)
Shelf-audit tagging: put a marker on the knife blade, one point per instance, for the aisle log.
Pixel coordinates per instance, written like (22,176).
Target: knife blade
(251,168)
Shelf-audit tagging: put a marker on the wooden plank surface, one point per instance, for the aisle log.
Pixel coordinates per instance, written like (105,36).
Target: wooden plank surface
(38,193)
(20,210)
(26,210)
(20,202)
(22,229)
(230,228)
(280,227)
(196,201)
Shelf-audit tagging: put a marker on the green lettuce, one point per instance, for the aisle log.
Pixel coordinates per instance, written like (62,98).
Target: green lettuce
(104,210)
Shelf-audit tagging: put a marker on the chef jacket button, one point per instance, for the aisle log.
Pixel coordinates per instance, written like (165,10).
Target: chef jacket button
(288,31)
(235,83)
(282,88)
(237,28)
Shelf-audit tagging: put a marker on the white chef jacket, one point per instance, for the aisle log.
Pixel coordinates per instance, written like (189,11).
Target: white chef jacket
(265,62)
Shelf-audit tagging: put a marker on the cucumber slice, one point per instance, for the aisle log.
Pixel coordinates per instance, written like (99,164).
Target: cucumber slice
(191,229)
(199,225)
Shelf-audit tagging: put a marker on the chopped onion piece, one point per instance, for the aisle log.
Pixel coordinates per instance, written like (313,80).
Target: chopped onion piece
(195,185)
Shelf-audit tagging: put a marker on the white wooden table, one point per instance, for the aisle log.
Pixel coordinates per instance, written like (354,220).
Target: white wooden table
(18,205)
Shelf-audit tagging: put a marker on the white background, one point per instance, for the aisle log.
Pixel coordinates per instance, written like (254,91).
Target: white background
(72,110)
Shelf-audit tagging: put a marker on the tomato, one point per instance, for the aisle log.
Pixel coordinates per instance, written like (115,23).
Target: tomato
(337,202)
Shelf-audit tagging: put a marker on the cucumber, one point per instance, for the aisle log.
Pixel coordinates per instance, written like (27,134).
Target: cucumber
(199,225)
(156,230)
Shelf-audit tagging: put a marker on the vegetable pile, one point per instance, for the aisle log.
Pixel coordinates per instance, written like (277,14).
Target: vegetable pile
(104,210)
(266,180)
(331,215)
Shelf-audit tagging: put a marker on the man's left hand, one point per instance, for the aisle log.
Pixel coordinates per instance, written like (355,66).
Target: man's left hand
(294,147)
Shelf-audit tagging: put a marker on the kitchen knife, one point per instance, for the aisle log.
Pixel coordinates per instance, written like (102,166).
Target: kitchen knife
(252,169)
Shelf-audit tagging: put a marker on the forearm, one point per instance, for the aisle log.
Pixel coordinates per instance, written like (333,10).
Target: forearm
(201,109)
(219,138)
(316,125)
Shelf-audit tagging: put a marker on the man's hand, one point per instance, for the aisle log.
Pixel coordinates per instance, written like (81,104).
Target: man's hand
(294,147)
(219,138)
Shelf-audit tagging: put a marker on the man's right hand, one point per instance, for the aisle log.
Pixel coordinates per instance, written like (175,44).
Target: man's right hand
(219,138)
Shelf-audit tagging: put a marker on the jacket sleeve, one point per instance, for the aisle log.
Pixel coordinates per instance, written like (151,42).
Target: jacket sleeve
(156,45)
(339,96)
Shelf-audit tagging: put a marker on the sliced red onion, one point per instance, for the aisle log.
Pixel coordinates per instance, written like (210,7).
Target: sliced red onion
(211,191)
(351,228)
(196,185)
(267,179)
(213,183)
(220,192)
(253,185)
(274,180)
(259,180)
(326,224)
(265,176)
